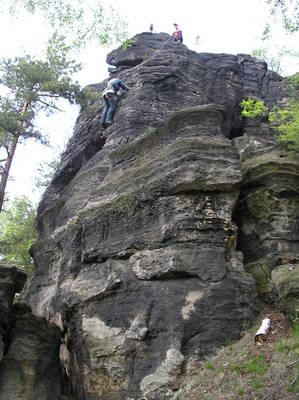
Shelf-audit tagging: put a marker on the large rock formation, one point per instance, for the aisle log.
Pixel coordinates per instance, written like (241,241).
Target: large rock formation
(136,260)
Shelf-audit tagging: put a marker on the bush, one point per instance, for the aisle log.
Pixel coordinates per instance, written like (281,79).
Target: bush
(253,108)
(127,44)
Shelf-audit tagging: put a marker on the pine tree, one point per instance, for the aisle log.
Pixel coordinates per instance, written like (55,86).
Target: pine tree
(32,86)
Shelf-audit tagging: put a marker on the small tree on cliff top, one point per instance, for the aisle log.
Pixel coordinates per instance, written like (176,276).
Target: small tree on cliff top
(32,86)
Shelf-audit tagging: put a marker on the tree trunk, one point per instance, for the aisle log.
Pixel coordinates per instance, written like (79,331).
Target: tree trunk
(11,152)
(5,173)
(263,331)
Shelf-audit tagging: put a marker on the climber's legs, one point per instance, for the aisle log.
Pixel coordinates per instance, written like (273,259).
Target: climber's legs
(112,107)
(105,111)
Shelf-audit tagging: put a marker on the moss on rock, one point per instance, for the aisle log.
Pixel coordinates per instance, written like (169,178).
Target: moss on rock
(260,272)
(152,138)
(261,204)
(286,280)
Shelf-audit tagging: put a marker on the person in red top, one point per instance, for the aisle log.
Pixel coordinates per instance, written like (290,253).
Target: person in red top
(177,34)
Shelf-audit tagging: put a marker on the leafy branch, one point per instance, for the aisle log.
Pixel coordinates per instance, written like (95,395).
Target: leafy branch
(79,22)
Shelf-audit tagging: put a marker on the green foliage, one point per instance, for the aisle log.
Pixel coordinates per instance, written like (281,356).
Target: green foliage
(34,80)
(294,80)
(273,56)
(282,13)
(12,121)
(288,10)
(266,32)
(240,391)
(33,86)
(291,344)
(287,122)
(247,371)
(256,365)
(88,98)
(236,368)
(17,232)
(289,349)
(252,108)
(208,365)
(45,172)
(257,384)
(78,22)
(127,44)
(39,84)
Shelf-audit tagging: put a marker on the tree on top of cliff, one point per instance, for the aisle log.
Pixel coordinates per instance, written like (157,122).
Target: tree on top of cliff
(79,22)
(32,86)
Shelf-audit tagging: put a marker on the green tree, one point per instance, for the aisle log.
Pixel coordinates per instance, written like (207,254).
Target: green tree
(273,54)
(288,11)
(253,108)
(32,86)
(17,232)
(78,21)
(283,119)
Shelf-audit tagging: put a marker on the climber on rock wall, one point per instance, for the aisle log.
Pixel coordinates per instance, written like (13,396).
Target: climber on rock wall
(177,34)
(109,96)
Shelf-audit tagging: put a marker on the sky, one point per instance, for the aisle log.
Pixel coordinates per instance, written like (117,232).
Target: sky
(230,26)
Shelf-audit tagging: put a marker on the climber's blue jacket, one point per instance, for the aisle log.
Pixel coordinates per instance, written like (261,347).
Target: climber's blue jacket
(113,86)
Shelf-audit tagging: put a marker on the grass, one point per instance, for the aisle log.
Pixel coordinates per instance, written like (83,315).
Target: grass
(208,365)
(240,391)
(256,365)
(245,371)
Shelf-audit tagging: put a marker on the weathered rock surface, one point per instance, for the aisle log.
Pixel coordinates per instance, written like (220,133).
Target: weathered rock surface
(136,260)
(29,346)
(268,214)
(11,282)
(31,367)
(286,283)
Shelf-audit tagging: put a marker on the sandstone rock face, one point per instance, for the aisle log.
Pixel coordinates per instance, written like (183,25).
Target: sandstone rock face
(136,260)
(31,367)
(268,216)
(29,346)
(11,281)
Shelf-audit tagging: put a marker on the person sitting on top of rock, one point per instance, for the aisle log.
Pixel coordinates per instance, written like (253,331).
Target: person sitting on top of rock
(177,34)
(109,96)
